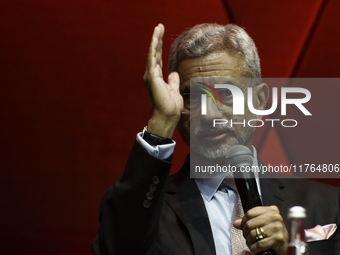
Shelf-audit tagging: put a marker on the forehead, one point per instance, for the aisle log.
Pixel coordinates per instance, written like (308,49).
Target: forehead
(212,65)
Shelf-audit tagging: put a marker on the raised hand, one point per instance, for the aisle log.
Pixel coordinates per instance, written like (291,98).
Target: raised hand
(166,102)
(269,219)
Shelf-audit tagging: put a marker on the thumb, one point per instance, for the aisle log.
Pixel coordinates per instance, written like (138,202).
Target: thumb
(238,224)
(173,80)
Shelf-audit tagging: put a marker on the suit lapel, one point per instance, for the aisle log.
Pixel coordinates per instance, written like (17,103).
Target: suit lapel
(184,198)
(274,192)
(271,190)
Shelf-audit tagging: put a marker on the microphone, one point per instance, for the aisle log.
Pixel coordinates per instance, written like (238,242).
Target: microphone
(241,158)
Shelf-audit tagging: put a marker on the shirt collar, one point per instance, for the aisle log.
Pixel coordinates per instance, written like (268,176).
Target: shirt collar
(209,186)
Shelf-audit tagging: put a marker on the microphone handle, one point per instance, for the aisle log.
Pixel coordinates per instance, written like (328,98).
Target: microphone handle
(247,189)
(248,192)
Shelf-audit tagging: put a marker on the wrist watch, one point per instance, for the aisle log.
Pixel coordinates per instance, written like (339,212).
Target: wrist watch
(154,139)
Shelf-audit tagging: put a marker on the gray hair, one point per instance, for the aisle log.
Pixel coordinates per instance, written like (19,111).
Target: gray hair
(204,39)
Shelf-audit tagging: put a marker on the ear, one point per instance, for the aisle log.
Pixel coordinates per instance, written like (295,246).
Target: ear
(262,95)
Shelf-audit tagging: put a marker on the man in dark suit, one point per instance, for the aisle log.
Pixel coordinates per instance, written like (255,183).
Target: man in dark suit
(147,212)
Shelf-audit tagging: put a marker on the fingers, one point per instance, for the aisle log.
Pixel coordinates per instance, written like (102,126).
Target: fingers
(277,242)
(173,81)
(260,216)
(238,224)
(269,223)
(174,88)
(159,47)
(153,73)
(154,61)
(274,235)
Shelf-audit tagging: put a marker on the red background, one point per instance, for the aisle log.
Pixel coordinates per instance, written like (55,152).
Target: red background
(72,100)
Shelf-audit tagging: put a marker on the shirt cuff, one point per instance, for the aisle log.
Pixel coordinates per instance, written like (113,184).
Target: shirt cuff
(163,151)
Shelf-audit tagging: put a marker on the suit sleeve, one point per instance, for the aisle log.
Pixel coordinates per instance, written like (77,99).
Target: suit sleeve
(130,209)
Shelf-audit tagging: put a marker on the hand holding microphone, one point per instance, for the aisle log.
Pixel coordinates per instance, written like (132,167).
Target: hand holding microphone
(262,226)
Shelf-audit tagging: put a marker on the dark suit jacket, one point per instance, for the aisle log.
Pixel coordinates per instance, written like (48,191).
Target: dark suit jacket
(174,220)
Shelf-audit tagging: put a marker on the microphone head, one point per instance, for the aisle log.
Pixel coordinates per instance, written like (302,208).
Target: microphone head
(239,154)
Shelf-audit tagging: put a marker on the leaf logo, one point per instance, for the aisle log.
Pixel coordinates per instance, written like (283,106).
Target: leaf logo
(209,93)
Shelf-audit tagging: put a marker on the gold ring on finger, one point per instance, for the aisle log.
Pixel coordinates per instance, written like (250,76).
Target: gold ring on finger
(259,234)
